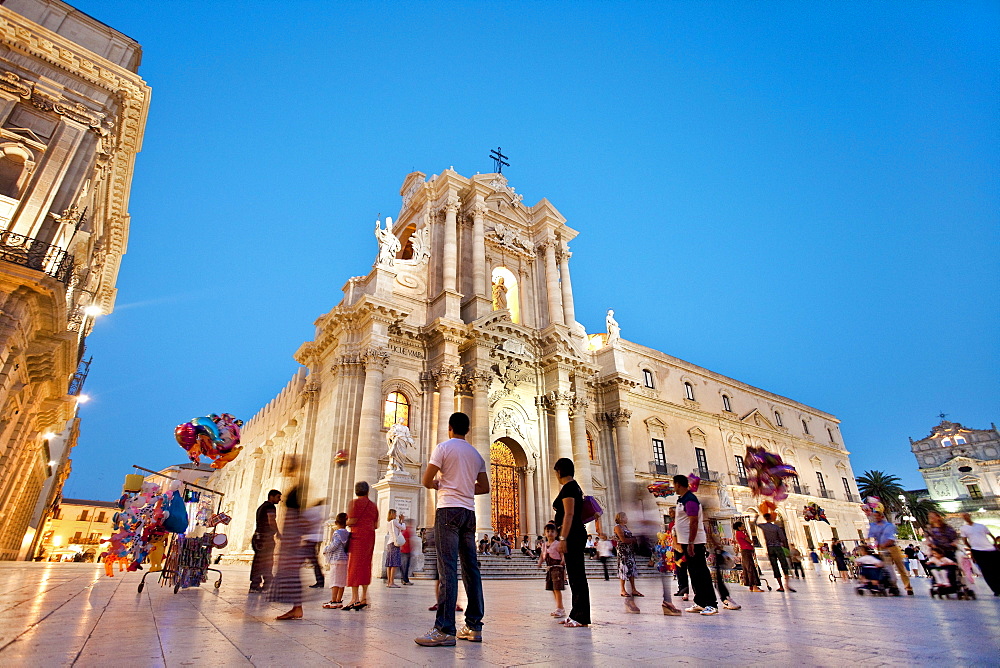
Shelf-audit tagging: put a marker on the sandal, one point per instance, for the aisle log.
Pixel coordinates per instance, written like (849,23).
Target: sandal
(573,624)
(635,593)
(287,616)
(333,605)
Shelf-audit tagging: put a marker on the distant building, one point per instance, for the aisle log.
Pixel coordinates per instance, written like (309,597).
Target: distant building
(961,467)
(74,530)
(72,114)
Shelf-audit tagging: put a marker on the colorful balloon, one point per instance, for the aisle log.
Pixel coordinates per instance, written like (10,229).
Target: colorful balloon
(212,436)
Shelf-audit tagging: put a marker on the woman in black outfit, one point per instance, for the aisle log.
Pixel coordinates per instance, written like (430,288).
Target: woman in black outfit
(568,507)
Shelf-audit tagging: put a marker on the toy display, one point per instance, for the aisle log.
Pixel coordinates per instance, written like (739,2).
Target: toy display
(661,488)
(766,473)
(216,437)
(813,513)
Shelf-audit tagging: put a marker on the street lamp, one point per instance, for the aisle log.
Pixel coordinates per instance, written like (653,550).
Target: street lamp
(909,518)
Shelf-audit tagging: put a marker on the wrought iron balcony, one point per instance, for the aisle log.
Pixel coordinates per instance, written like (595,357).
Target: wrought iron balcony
(662,469)
(852,497)
(826,494)
(80,377)
(35,254)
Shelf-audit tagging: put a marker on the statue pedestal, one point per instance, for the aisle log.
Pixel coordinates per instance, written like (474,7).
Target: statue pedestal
(400,491)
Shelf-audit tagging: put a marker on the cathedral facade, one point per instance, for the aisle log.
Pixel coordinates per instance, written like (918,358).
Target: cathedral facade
(469,306)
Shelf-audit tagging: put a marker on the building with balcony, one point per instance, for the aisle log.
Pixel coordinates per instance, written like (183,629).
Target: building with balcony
(469,306)
(961,467)
(72,114)
(73,531)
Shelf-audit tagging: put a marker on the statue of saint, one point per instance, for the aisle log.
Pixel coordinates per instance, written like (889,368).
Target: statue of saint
(388,244)
(399,440)
(614,331)
(499,294)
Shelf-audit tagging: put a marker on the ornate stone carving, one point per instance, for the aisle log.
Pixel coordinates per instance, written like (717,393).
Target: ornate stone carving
(449,204)
(446,375)
(508,238)
(311,386)
(478,209)
(481,381)
(560,400)
(620,417)
(614,331)
(499,184)
(388,244)
(579,407)
(506,421)
(375,359)
(510,371)
(12,83)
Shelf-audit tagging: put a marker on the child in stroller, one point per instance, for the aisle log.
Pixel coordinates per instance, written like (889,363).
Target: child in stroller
(873,576)
(946,578)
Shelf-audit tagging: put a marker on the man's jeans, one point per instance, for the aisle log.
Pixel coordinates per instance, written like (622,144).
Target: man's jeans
(404,566)
(455,533)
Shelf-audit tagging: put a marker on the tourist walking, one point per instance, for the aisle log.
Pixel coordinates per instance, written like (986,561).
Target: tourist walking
(795,558)
(313,517)
(405,551)
(690,530)
(362,517)
(940,534)
(840,559)
(883,532)
(750,577)
(720,562)
(462,475)
(912,563)
(287,585)
(776,542)
(625,549)
(680,570)
(336,556)
(554,563)
(605,550)
(814,558)
(263,542)
(568,507)
(393,541)
(983,545)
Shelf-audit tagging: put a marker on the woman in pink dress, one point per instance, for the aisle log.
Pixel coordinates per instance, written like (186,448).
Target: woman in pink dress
(362,517)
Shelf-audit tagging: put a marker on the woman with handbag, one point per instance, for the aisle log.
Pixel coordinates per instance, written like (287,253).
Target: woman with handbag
(394,539)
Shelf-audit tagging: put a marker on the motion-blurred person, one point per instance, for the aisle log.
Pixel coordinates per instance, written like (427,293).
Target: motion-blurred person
(313,519)
(263,541)
(287,586)
(982,543)
(884,533)
(393,557)
(406,551)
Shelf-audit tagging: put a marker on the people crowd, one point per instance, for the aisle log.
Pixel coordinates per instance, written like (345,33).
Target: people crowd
(702,560)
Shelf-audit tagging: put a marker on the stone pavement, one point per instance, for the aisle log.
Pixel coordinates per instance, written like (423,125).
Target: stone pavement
(70,614)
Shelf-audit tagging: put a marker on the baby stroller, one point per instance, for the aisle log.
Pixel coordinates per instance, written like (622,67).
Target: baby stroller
(877,581)
(946,580)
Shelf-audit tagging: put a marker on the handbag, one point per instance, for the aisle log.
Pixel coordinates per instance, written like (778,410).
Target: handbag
(400,539)
(590,509)
(178,520)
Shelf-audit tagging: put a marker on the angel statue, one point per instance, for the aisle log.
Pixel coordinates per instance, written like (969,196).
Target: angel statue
(614,331)
(399,440)
(388,244)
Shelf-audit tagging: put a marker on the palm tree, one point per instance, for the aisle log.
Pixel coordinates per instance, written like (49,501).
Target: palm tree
(886,487)
(919,507)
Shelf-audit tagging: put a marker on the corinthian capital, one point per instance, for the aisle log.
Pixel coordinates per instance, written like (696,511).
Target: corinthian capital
(579,407)
(445,376)
(560,400)
(449,204)
(478,210)
(620,417)
(375,359)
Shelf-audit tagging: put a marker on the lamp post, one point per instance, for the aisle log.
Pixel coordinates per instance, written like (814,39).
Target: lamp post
(908,517)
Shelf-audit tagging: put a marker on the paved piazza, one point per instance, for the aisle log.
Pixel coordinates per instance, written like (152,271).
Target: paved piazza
(70,614)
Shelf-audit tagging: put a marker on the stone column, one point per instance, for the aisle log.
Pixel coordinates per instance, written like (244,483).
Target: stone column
(479,251)
(561,401)
(531,512)
(370,427)
(481,439)
(451,244)
(428,434)
(567,287)
(626,461)
(552,283)
(581,458)
(446,377)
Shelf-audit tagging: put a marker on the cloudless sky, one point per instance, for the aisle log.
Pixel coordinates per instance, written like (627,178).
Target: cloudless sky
(802,196)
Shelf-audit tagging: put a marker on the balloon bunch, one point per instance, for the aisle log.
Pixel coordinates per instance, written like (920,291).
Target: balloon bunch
(340,457)
(812,512)
(661,488)
(766,473)
(871,505)
(693,482)
(663,553)
(767,506)
(214,436)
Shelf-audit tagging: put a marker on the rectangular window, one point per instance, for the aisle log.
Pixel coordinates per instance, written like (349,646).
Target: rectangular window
(796,485)
(100,516)
(741,469)
(659,454)
(94,537)
(805,427)
(974,491)
(77,536)
(830,432)
(847,488)
(777,419)
(84,514)
(822,483)
(699,453)
(647,377)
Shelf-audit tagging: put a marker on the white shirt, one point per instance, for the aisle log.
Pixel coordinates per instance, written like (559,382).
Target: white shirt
(978,537)
(682,525)
(460,465)
(395,529)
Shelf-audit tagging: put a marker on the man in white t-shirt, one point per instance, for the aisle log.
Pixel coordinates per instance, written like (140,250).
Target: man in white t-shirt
(984,551)
(458,472)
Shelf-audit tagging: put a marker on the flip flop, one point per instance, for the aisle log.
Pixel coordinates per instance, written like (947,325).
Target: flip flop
(333,605)
(573,624)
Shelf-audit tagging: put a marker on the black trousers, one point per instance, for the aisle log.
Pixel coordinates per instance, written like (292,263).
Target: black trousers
(797,569)
(604,563)
(682,573)
(700,577)
(576,574)
(989,564)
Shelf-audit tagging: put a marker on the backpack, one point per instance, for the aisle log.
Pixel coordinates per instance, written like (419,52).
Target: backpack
(590,510)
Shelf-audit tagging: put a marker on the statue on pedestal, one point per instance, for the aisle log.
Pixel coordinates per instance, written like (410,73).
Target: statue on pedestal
(400,441)
(614,331)
(388,244)
(499,294)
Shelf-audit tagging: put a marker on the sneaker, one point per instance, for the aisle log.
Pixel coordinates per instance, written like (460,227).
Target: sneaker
(465,633)
(729,605)
(694,608)
(709,610)
(434,638)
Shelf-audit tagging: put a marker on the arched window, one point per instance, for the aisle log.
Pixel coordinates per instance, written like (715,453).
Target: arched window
(688,391)
(14,159)
(590,447)
(397,409)
(945,442)
(959,440)
(726,406)
(805,427)
(777,419)
(647,378)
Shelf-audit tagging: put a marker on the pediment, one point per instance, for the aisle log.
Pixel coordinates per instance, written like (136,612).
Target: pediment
(598,483)
(969,479)
(756,418)
(696,431)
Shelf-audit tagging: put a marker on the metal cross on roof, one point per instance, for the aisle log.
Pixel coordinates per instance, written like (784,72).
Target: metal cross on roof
(499,160)
(943,416)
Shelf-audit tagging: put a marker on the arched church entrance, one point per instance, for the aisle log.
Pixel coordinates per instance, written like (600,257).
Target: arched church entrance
(506,486)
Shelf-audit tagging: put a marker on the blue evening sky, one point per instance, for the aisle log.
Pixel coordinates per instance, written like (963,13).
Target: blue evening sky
(802,196)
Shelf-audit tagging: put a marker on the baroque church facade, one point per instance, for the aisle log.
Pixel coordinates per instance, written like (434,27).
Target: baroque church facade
(469,306)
